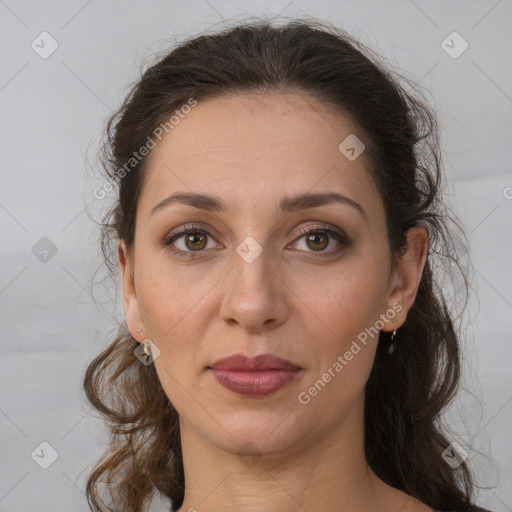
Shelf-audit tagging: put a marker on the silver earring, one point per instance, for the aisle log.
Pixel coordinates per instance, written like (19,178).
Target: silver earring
(391,347)
(139,330)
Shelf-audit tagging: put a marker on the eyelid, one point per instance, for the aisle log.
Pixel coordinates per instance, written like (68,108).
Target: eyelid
(327,228)
(186,229)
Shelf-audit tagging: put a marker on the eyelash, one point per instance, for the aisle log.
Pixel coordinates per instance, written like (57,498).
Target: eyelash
(340,236)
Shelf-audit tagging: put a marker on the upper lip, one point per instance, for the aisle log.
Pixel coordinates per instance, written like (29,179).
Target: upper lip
(240,362)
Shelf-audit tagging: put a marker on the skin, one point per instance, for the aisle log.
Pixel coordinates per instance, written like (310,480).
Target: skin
(268,453)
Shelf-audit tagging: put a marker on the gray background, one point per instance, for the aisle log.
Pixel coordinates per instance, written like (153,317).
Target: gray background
(52,113)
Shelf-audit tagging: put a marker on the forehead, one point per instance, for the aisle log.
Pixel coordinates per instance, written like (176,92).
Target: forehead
(254,145)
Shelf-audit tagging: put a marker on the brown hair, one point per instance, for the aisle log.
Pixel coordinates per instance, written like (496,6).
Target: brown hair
(407,391)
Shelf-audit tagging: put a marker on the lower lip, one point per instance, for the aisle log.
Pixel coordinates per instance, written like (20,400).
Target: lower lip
(254,383)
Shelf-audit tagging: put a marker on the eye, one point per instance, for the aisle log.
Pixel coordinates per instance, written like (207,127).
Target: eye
(188,240)
(317,240)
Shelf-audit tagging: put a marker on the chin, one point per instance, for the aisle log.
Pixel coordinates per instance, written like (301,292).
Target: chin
(259,432)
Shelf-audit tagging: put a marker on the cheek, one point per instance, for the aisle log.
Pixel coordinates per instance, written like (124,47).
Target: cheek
(177,303)
(343,342)
(168,293)
(344,300)
(340,317)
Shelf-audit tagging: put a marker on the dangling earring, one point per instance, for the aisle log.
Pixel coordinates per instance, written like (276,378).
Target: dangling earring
(147,348)
(391,347)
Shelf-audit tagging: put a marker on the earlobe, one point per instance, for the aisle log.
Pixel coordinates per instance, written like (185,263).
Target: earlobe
(407,275)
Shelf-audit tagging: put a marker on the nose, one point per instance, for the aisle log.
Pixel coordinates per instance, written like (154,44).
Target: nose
(255,296)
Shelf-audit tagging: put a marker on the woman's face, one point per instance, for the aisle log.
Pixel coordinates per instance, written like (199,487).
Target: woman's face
(251,281)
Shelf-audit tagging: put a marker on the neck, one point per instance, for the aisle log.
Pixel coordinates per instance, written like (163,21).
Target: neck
(328,474)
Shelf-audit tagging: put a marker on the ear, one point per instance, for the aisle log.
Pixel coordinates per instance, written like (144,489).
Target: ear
(405,278)
(130,301)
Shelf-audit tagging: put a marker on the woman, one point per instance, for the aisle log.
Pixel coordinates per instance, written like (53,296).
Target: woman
(289,344)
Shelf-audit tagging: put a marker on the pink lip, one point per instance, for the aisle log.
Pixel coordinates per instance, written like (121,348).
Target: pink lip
(239,362)
(257,376)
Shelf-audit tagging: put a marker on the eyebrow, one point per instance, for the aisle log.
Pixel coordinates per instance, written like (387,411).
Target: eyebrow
(287,204)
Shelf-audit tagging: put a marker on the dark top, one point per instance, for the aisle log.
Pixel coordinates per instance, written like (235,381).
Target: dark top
(472,508)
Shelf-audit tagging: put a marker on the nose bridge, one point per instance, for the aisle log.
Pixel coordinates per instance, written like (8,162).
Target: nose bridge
(252,269)
(253,296)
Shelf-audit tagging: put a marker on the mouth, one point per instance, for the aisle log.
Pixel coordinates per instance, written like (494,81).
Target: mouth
(258,376)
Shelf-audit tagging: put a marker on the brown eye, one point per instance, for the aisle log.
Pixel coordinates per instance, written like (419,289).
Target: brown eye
(195,240)
(188,242)
(317,241)
(322,241)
